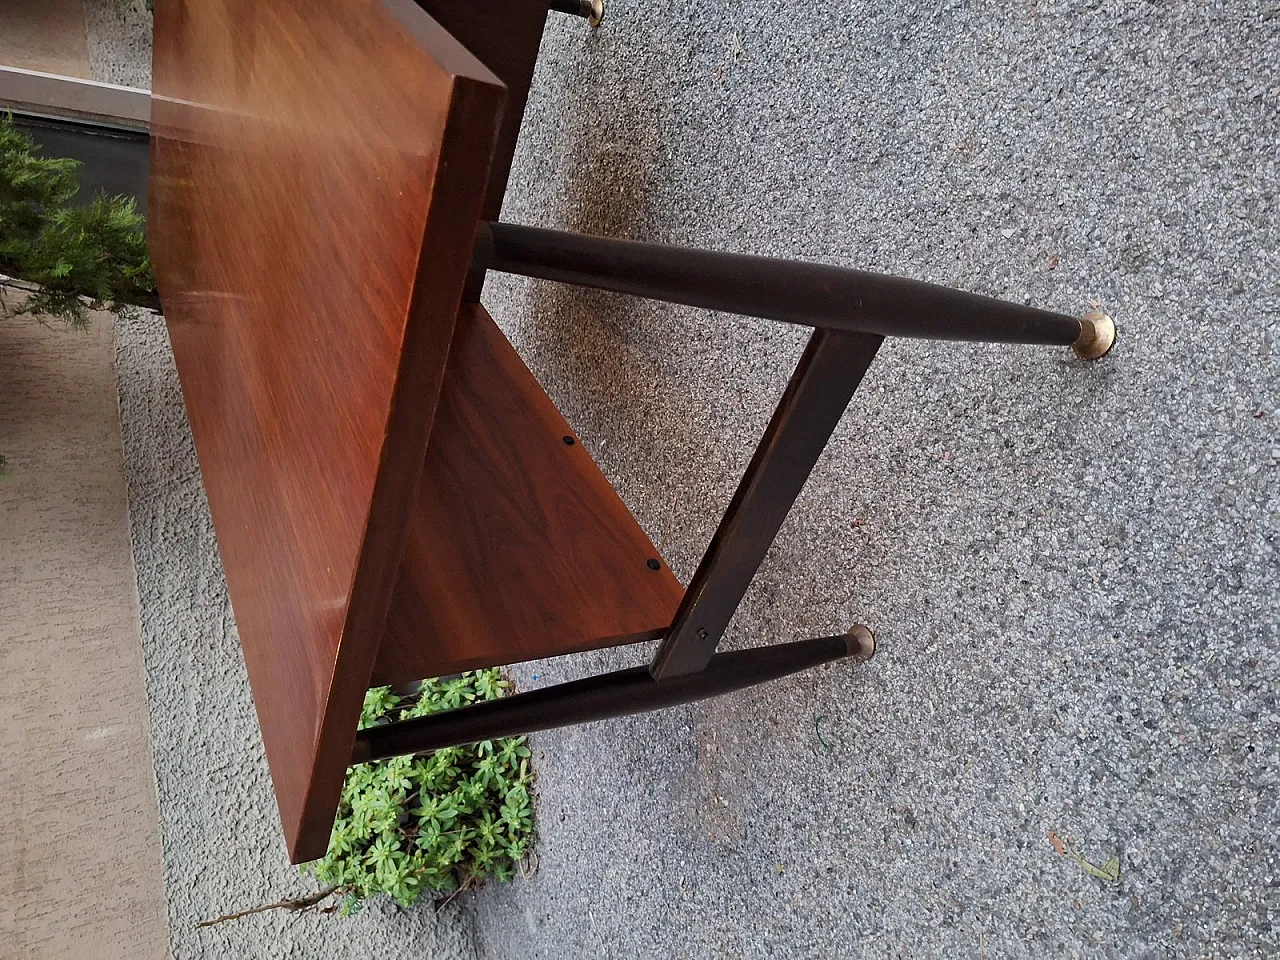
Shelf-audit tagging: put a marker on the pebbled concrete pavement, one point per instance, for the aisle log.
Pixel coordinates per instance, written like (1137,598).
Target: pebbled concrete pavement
(1071,568)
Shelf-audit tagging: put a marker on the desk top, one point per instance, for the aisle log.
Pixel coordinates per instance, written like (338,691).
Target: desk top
(318,168)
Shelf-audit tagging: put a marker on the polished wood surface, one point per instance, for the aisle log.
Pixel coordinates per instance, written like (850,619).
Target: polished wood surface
(318,167)
(518,547)
(504,35)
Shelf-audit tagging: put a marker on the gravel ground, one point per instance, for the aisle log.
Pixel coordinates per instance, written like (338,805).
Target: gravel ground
(1071,568)
(119,33)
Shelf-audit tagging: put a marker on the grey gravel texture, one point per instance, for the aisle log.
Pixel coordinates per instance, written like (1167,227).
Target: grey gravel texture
(119,35)
(223,849)
(1071,567)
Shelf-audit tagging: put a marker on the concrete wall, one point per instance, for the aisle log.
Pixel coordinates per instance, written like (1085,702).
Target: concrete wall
(46,35)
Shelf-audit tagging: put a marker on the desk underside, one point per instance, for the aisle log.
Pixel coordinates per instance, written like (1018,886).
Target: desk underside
(518,547)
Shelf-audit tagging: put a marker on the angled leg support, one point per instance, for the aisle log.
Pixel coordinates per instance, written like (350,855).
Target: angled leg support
(811,294)
(853,312)
(828,373)
(617,694)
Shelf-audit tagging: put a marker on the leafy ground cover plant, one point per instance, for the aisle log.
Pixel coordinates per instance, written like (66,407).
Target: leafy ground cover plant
(436,823)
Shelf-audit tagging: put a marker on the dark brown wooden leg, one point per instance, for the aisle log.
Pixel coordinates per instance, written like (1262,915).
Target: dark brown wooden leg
(505,36)
(600,698)
(828,373)
(590,10)
(814,294)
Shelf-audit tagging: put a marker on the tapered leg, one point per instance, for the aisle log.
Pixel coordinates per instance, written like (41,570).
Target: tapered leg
(599,698)
(828,373)
(591,10)
(814,294)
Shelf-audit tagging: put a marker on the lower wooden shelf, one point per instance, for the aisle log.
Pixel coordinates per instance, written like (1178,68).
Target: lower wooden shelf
(518,547)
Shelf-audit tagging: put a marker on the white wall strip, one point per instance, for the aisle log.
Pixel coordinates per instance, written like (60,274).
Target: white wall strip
(52,95)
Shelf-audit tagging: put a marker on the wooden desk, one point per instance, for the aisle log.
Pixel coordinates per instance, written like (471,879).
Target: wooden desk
(318,172)
(395,496)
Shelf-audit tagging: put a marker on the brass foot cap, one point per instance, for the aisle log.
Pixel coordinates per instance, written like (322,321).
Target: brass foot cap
(1097,336)
(597,13)
(860,642)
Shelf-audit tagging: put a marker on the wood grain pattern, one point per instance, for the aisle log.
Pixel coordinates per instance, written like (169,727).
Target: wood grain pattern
(318,167)
(504,35)
(518,547)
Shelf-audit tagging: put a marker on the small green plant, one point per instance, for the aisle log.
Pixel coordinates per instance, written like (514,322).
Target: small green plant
(97,252)
(434,823)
